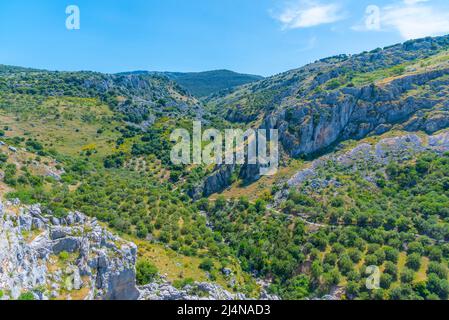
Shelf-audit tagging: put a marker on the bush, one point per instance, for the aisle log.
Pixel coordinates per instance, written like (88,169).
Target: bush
(439,269)
(64,255)
(391,254)
(414,261)
(207,265)
(407,276)
(145,272)
(385,281)
(3,158)
(27,296)
(179,284)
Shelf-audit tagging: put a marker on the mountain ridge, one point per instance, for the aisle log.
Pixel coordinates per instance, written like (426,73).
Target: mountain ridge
(378,197)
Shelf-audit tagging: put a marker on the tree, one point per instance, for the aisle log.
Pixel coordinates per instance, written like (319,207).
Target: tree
(385,281)
(407,276)
(207,265)
(145,272)
(391,269)
(298,288)
(438,286)
(345,264)
(439,269)
(391,254)
(414,261)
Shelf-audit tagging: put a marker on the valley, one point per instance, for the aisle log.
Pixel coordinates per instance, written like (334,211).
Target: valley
(363,178)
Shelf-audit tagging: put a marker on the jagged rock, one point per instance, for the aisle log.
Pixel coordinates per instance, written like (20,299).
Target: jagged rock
(227,272)
(105,264)
(55,221)
(366,158)
(59,232)
(163,290)
(25,222)
(70,219)
(69,244)
(38,224)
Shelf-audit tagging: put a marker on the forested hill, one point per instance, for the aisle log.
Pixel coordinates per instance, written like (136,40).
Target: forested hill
(203,84)
(363,181)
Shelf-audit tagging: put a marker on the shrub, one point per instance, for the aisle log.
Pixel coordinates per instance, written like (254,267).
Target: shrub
(207,265)
(64,255)
(414,261)
(407,276)
(26,296)
(145,272)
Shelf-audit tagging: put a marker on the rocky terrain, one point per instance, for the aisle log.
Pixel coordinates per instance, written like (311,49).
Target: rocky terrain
(140,98)
(76,258)
(336,99)
(369,158)
(163,290)
(69,258)
(363,182)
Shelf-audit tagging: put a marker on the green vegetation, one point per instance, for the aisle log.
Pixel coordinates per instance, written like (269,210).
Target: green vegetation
(104,150)
(145,272)
(202,84)
(26,296)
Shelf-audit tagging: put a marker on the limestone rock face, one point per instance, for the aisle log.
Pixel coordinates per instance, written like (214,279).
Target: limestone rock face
(163,290)
(310,125)
(366,159)
(74,258)
(216,182)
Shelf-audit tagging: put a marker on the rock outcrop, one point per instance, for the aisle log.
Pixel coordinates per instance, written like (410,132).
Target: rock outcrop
(322,119)
(163,290)
(62,258)
(366,159)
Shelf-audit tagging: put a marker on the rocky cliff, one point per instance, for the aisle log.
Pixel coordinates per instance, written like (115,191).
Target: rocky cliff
(403,87)
(68,258)
(353,113)
(366,159)
(349,97)
(74,258)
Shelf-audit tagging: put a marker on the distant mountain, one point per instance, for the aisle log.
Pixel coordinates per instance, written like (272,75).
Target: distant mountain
(138,96)
(203,84)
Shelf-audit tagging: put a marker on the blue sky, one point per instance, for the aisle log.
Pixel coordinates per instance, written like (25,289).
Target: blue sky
(252,36)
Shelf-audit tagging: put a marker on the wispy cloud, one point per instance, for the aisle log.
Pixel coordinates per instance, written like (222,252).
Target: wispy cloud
(416,19)
(409,2)
(306,14)
(411,18)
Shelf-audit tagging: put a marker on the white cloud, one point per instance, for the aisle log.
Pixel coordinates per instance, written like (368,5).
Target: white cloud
(415,20)
(410,2)
(305,14)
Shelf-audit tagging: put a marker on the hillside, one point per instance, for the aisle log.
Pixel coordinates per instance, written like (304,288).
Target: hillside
(82,141)
(364,177)
(203,84)
(348,97)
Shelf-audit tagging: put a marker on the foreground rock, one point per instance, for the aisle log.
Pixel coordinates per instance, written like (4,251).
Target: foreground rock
(163,290)
(68,258)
